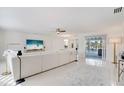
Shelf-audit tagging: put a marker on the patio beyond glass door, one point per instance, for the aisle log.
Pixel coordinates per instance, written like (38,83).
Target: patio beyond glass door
(95,47)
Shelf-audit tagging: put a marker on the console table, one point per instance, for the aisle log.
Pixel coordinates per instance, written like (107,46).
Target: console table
(120,68)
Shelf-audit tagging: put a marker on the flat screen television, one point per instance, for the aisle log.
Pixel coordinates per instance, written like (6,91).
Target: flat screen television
(34,44)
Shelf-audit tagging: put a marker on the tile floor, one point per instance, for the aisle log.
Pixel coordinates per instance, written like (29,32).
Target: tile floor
(88,73)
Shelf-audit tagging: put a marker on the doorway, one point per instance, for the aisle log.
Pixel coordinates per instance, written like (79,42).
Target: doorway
(95,47)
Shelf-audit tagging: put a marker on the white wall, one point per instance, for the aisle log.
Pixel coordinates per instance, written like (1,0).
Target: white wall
(55,43)
(111,32)
(8,37)
(2,44)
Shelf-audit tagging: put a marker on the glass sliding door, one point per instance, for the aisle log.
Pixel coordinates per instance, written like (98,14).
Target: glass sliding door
(95,47)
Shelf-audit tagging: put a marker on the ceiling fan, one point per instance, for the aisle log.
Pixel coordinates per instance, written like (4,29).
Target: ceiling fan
(58,31)
(118,10)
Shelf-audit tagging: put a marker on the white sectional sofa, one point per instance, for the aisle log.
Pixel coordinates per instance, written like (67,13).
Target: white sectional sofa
(33,63)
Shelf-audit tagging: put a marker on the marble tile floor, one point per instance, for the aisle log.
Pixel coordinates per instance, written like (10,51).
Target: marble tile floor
(2,67)
(88,73)
(7,80)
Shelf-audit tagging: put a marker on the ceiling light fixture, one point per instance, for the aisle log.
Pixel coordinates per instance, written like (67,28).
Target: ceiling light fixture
(58,31)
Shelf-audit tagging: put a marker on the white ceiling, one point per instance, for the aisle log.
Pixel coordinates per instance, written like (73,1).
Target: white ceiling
(46,20)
